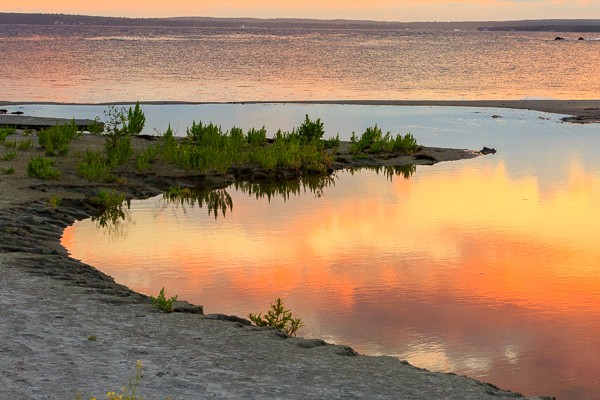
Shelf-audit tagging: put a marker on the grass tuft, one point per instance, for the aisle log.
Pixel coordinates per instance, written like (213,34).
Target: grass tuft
(42,168)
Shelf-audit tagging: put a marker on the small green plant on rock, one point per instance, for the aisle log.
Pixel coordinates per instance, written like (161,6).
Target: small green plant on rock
(279,318)
(94,167)
(24,145)
(6,131)
(42,168)
(54,201)
(7,170)
(9,156)
(162,302)
(127,393)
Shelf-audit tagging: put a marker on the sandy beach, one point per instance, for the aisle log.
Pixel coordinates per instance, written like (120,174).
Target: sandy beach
(69,329)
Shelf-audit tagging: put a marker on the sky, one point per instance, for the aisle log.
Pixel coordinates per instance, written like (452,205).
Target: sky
(379,10)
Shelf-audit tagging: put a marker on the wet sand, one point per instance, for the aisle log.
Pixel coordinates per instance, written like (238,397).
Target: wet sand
(67,328)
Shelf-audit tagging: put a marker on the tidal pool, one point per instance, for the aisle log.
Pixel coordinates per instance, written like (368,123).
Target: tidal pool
(487,267)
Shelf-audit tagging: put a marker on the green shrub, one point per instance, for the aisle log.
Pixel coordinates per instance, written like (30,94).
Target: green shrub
(96,127)
(94,167)
(128,392)
(119,128)
(57,138)
(374,141)
(24,145)
(147,157)
(279,318)
(407,144)
(109,199)
(9,156)
(10,144)
(332,142)
(42,168)
(310,131)
(206,135)
(6,131)
(162,302)
(257,136)
(119,152)
(54,201)
(7,170)
(136,120)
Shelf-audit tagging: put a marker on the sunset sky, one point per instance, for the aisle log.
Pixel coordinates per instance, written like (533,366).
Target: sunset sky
(384,10)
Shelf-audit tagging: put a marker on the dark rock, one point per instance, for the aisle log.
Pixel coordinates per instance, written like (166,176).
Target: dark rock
(3,110)
(487,150)
(496,116)
(559,38)
(310,343)
(17,113)
(185,307)
(229,318)
(581,38)
(425,157)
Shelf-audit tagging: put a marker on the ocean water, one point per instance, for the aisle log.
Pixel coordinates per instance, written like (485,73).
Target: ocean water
(105,64)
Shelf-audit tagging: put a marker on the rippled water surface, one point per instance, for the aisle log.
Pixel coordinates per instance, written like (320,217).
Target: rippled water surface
(487,267)
(100,64)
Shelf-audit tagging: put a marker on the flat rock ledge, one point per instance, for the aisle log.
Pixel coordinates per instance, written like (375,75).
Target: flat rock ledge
(68,329)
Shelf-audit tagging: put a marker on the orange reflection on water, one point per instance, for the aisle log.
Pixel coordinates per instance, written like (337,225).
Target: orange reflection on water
(466,269)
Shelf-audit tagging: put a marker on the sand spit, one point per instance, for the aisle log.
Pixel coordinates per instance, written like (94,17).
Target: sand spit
(578,111)
(67,328)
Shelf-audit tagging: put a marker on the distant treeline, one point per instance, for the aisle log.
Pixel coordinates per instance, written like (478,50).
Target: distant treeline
(545,28)
(590,25)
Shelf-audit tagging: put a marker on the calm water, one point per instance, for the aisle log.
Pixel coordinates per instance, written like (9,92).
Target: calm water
(102,64)
(486,267)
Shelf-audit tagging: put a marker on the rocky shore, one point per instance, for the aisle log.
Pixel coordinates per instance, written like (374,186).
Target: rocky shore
(69,330)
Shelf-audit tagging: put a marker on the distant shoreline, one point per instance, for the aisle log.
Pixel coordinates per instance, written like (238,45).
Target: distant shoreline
(580,111)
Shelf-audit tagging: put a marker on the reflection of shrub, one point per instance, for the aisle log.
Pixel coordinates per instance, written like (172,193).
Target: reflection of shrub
(279,318)
(216,200)
(42,168)
(111,206)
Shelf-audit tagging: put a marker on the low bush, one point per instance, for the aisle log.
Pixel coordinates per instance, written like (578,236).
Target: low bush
(42,168)
(7,170)
(10,144)
(374,141)
(162,302)
(279,318)
(94,167)
(24,145)
(310,131)
(6,131)
(9,156)
(121,124)
(57,138)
